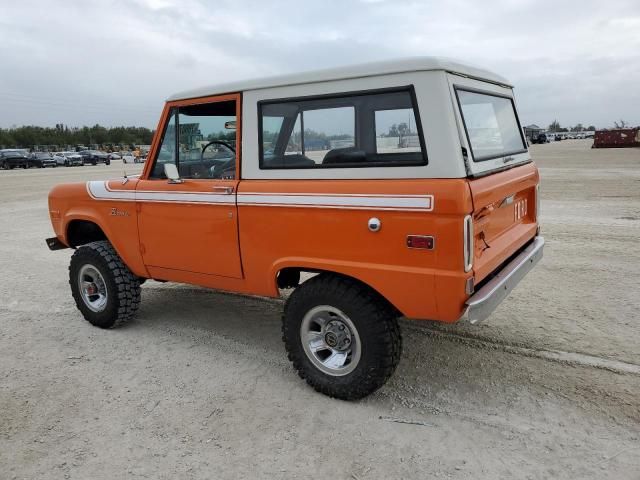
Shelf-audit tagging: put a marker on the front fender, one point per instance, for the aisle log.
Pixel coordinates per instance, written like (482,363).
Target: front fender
(116,218)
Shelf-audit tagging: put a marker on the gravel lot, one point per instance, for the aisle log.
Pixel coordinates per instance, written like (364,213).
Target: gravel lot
(199,385)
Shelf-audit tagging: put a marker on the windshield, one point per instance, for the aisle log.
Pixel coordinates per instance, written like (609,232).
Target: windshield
(491,125)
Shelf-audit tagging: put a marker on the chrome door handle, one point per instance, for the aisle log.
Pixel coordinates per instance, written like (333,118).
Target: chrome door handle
(222,189)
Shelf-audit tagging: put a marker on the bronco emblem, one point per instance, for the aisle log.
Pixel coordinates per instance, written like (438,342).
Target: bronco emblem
(119,213)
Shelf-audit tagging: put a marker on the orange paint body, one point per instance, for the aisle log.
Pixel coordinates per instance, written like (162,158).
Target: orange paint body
(241,247)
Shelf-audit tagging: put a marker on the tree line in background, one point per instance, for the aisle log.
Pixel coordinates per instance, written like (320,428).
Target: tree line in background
(27,136)
(555,127)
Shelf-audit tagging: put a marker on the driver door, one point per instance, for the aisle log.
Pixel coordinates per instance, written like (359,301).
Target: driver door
(191,225)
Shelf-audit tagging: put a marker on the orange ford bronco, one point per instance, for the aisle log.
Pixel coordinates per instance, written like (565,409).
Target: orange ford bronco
(406,187)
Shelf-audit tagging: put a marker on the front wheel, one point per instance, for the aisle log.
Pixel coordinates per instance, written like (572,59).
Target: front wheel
(106,292)
(342,337)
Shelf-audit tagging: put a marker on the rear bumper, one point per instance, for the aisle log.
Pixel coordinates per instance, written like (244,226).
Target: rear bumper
(482,303)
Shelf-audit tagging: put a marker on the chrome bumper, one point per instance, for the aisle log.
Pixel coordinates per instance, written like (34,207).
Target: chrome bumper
(482,303)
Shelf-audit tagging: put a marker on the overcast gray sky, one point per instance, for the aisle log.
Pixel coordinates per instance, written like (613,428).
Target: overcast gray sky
(114,62)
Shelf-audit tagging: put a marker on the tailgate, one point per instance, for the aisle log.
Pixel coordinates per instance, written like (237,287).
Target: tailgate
(504,216)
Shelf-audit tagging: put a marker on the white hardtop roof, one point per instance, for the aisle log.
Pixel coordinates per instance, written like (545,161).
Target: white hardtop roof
(403,65)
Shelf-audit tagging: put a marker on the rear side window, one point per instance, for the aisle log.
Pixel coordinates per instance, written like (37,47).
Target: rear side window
(372,129)
(491,124)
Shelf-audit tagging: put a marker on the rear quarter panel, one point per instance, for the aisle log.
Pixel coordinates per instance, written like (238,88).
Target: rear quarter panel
(273,237)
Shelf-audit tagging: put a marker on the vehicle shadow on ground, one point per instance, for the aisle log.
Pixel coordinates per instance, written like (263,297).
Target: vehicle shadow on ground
(436,373)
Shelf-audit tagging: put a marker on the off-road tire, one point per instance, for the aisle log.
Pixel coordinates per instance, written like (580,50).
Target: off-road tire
(375,320)
(122,286)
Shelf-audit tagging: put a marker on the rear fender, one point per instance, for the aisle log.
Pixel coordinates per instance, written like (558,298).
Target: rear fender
(398,285)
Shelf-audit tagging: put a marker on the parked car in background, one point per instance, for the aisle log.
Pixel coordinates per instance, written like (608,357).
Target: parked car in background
(540,138)
(41,160)
(94,157)
(68,159)
(131,157)
(115,156)
(128,157)
(12,159)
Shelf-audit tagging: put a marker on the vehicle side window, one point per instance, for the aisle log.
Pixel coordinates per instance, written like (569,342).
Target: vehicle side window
(396,131)
(201,141)
(373,129)
(491,124)
(167,151)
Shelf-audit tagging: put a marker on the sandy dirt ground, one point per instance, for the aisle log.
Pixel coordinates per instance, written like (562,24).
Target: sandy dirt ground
(198,386)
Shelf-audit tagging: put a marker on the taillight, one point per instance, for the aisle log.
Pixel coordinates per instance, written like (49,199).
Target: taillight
(537,201)
(467,239)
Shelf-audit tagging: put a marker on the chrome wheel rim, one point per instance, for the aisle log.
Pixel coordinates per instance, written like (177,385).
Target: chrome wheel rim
(93,288)
(330,340)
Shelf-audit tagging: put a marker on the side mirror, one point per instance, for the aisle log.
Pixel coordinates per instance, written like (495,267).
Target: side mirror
(171,172)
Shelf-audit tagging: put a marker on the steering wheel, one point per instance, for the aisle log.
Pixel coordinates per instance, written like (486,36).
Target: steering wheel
(220,168)
(219,142)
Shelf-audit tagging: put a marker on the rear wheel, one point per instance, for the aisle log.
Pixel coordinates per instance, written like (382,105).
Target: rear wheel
(106,292)
(342,337)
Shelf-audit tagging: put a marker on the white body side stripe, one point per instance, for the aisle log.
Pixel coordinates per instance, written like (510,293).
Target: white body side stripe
(99,190)
(349,201)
